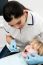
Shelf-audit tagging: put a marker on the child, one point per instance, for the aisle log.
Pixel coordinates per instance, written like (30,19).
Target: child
(36,46)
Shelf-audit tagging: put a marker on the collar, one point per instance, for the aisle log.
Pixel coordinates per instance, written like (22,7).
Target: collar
(30,20)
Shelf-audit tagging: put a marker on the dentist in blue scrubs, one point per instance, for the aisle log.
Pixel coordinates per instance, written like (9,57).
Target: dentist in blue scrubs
(26,25)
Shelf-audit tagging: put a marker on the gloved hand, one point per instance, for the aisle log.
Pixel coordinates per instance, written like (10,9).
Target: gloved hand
(12,43)
(13,47)
(34,59)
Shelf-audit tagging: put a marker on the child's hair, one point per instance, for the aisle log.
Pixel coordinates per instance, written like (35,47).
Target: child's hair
(36,41)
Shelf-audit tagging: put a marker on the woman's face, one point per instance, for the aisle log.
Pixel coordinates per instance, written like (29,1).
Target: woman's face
(18,22)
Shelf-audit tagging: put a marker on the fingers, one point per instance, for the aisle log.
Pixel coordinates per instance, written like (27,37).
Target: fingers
(29,59)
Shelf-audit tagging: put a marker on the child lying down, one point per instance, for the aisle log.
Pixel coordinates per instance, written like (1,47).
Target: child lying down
(36,47)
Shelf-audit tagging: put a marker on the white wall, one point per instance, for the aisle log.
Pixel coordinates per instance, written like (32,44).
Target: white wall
(35,5)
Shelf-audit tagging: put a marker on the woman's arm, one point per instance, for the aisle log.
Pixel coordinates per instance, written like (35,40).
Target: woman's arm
(12,44)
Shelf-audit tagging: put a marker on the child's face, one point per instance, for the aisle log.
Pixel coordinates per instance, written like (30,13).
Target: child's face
(30,49)
(26,50)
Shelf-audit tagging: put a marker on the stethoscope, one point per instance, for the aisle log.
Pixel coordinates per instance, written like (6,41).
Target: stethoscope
(31,24)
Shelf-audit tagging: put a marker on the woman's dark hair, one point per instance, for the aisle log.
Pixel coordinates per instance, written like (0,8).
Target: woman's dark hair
(12,8)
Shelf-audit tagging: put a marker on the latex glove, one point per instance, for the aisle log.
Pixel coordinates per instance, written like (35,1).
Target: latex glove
(13,47)
(12,43)
(34,59)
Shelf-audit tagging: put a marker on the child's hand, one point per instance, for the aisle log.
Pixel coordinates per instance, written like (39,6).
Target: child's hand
(34,59)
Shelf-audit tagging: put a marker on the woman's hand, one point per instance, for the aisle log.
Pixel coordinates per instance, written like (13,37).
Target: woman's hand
(34,59)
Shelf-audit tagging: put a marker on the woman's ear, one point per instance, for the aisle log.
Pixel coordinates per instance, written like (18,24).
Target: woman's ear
(25,12)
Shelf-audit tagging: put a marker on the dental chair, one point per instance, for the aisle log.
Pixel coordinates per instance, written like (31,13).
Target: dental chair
(15,59)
